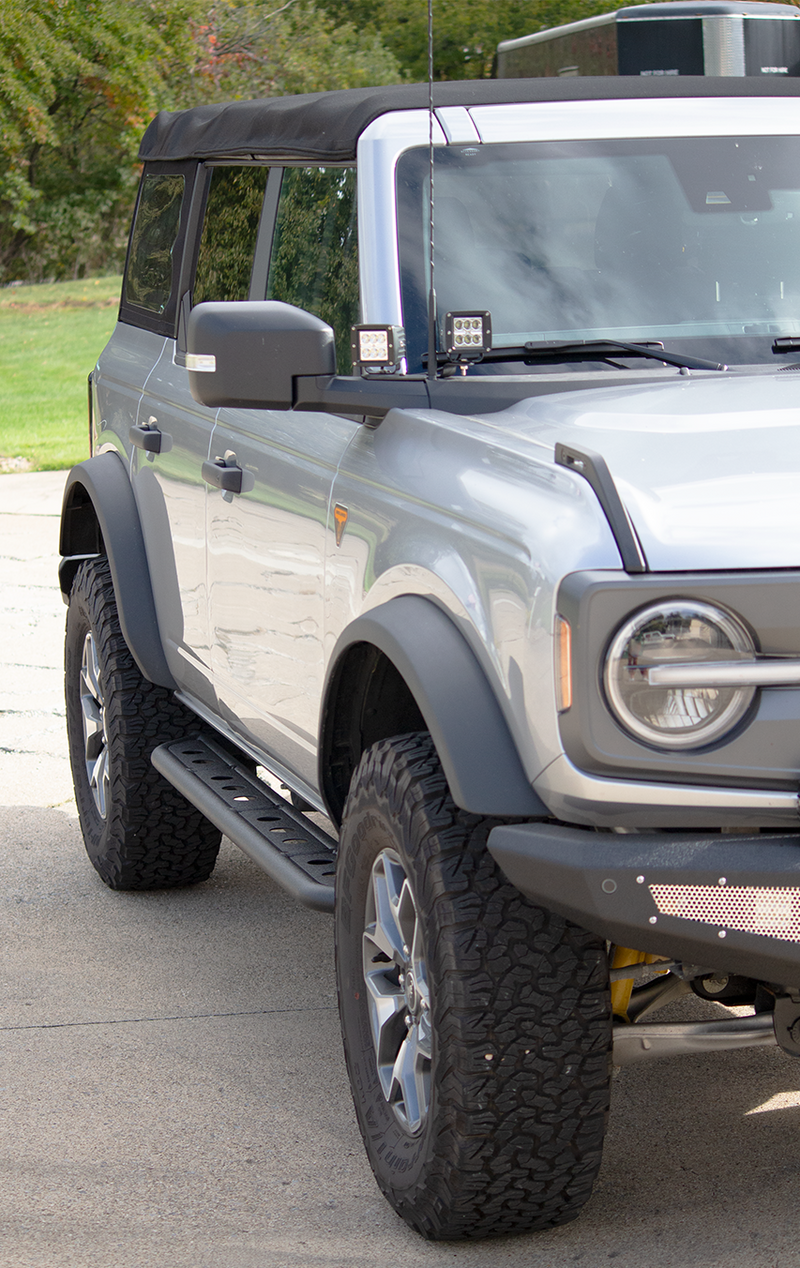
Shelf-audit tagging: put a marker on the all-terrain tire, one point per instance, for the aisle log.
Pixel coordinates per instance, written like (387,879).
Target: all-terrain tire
(139,832)
(519,1027)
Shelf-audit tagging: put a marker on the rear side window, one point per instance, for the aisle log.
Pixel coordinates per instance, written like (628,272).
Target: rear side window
(150,281)
(314,262)
(230,230)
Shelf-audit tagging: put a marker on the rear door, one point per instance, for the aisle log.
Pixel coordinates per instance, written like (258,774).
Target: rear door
(168,479)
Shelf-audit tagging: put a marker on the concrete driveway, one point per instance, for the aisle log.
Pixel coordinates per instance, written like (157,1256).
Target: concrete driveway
(170,1065)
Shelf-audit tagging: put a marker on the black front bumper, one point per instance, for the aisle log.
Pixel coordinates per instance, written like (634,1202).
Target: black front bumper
(724,902)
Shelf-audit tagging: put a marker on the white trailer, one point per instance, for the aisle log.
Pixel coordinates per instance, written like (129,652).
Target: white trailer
(712,37)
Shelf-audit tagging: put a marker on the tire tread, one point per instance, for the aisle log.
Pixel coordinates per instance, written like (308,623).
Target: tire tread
(516,1141)
(152,838)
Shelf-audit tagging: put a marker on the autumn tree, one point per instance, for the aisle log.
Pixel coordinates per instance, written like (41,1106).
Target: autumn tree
(265,49)
(80,80)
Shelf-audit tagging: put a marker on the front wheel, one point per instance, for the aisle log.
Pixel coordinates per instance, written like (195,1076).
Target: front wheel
(476,1025)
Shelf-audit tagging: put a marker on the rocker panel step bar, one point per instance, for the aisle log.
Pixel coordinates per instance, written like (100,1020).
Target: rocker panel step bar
(298,855)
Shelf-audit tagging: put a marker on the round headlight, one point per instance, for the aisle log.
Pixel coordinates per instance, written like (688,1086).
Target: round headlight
(679,632)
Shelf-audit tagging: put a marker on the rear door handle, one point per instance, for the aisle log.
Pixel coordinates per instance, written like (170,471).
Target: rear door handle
(149,438)
(221,476)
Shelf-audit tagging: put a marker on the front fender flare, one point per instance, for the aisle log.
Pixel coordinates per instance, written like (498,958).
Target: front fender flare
(451,690)
(99,516)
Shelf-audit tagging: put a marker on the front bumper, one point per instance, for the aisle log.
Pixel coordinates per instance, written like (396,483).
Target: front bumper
(724,902)
(593,800)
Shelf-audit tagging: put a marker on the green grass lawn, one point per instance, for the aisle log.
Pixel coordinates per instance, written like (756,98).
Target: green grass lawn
(50,338)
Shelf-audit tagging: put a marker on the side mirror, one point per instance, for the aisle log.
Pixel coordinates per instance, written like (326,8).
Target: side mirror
(247,353)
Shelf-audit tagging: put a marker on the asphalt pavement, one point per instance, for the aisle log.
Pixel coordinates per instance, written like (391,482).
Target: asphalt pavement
(171,1073)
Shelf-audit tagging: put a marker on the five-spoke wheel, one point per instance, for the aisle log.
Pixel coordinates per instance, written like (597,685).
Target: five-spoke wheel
(95,744)
(397,986)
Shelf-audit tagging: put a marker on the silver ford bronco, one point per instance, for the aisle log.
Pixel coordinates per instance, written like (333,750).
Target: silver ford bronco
(445,478)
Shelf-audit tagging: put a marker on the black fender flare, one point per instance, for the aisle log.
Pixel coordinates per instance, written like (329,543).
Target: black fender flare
(456,700)
(99,516)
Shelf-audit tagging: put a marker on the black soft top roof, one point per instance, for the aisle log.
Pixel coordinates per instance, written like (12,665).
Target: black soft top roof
(326,126)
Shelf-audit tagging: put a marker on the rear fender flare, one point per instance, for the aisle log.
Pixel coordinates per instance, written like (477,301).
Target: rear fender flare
(99,517)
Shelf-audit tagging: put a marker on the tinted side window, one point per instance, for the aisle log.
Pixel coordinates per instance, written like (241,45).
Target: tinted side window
(314,260)
(149,281)
(230,230)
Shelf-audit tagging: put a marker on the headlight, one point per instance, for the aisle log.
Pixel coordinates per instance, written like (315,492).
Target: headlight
(678,632)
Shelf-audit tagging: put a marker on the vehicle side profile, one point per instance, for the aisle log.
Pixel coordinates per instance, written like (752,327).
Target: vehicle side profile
(444,479)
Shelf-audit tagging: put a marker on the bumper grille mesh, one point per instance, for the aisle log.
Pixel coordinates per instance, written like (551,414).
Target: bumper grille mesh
(773,913)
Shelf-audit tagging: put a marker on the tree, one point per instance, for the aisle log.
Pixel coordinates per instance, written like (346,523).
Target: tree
(466,32)
(79,80)
(466,35)
(257,49)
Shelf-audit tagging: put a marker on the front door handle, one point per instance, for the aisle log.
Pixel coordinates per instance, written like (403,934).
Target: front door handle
(221,476)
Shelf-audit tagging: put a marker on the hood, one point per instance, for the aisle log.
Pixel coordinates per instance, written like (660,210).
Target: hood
(708,467)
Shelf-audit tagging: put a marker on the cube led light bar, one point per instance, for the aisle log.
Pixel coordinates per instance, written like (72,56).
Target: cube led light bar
(378,347)
(467,335)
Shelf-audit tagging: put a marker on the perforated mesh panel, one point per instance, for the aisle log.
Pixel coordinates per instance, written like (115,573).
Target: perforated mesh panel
(775,913)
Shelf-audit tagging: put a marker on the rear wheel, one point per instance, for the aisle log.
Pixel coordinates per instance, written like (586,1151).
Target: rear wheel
(476,1025)
(139,832)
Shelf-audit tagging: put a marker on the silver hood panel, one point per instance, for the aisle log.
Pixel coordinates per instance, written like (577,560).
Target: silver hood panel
(708,466)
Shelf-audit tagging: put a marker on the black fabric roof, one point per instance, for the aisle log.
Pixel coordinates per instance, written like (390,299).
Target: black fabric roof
(326,126)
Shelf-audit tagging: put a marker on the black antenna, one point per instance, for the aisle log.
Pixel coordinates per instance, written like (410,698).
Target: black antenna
(431,291)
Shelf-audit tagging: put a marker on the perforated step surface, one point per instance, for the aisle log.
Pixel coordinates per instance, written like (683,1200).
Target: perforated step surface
(293,850)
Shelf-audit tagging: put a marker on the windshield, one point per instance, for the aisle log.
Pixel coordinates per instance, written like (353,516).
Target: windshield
(693,241)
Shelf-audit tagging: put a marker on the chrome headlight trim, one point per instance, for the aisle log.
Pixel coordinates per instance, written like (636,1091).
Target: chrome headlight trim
(670,715)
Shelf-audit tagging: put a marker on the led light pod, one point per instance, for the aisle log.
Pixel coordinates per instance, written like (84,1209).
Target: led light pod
(677,632)
(467,335)
(378,346)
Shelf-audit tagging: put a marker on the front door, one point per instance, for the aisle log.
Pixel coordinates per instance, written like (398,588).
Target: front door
(267,545)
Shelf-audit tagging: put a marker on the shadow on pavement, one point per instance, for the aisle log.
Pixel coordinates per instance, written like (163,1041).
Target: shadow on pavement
(175,1095)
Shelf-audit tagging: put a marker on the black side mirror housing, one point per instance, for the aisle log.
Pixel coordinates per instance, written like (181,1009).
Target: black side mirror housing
(247,354)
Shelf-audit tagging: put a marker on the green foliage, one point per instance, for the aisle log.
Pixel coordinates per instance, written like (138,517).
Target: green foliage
(79,80)
(466,32)
(466,35)
(263,49)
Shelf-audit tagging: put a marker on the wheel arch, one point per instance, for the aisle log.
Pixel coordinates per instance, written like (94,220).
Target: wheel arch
(99,516)
(405,666)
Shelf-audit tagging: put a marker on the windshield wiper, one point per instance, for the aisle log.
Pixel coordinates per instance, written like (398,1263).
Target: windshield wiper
(584,349)
(599,347)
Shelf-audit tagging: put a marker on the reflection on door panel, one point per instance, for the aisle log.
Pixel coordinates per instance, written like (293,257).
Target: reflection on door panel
(171,496)
(266,572)
(266,563)
(169,484)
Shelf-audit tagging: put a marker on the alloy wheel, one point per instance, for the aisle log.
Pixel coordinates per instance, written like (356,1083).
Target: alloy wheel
(398,992)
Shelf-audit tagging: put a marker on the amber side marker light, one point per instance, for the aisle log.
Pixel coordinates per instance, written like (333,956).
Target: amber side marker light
(563,664)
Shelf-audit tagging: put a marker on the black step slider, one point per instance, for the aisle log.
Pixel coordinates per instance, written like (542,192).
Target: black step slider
(297,854)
